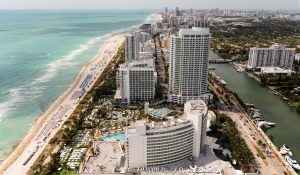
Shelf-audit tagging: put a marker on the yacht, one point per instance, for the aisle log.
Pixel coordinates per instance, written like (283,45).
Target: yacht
(293,162)
(261,122)
(285,150)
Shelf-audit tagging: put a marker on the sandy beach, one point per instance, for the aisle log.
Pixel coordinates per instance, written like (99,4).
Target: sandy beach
(33,144)
(51,121)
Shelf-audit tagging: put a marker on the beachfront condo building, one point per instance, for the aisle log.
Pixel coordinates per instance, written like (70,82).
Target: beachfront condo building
(274,56)
(131,48)
(143,37)
(188,69)
(159,143)
(136,81)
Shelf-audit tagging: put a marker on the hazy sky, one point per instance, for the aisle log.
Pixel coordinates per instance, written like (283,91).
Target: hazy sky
(148,4)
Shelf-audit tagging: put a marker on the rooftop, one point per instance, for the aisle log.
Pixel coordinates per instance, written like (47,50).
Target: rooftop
(196,106)
(140,64)
(107,160)
(160,113)
(268,70)
(194,31)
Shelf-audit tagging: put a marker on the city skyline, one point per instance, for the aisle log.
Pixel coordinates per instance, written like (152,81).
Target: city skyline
(147,4)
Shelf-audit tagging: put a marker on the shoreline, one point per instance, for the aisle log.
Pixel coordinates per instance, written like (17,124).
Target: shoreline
(27,143)
(13,162)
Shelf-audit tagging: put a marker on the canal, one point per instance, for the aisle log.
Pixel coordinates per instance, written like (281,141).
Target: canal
(272,107)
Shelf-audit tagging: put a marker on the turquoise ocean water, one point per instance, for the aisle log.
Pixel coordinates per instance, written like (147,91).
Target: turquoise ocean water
(41,52)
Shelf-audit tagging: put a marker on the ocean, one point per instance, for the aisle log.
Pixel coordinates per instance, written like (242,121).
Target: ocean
(41,52)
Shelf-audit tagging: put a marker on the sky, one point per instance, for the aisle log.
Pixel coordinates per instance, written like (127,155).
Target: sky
(149,4)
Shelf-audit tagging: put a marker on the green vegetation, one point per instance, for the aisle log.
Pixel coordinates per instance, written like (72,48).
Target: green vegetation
(233,42)
(68,172)
(260,153)
(228,137)
(48,162)
(286,86)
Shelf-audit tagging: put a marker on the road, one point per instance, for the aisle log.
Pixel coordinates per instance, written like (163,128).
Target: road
(161,65)
(272,164)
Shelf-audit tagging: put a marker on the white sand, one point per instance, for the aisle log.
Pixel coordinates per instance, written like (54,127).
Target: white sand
(52,120)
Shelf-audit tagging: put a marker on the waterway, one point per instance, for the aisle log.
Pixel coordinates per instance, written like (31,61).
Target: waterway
(272,107)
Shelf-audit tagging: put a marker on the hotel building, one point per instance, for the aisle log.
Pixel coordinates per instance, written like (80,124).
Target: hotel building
(136,81)
(274,56)
(188,70)
(159,143)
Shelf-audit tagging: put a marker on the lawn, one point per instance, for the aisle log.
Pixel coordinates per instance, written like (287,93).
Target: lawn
(68,172)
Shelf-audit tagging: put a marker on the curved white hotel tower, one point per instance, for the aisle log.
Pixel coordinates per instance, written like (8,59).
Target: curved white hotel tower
(188,70)
(159,143)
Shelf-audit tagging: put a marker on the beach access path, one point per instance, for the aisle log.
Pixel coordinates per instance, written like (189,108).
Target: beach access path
(45,128)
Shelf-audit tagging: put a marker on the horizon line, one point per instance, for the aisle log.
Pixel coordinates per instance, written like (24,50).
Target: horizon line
(161,9)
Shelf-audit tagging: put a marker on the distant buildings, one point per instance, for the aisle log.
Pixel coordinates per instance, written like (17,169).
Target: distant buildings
(131,48)
(154,144)
(136,82)
(175,21)
(146,28)
(177,11)
(188,70)
(166,10)
(274,56)
(143,37)
(201,23)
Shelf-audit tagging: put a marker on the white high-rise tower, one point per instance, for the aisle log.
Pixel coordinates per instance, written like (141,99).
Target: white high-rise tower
(131,48)
(188,70)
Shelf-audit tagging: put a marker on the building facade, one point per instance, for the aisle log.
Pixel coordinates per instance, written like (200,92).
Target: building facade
(177,11)
(188,69)
(143,37)
(131,48)
(154,144)
(274,56)
(136,81)
(297,57)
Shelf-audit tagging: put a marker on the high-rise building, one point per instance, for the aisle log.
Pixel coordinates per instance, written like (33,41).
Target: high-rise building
(131,48)
(143,37)
(175,20)
(177,11)
(136,81)
(274,56)
(159,143)
(201,23)
(166,10)
(188,70)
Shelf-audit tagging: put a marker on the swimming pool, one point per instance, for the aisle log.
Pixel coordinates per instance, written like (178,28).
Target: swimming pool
(119,137)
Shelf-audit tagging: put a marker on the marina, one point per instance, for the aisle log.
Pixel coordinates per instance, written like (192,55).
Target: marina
(271,107)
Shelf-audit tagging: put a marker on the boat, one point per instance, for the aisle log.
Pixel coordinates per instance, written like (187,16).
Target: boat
(270,124)
(293,162)
(285,150)
(261,122)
